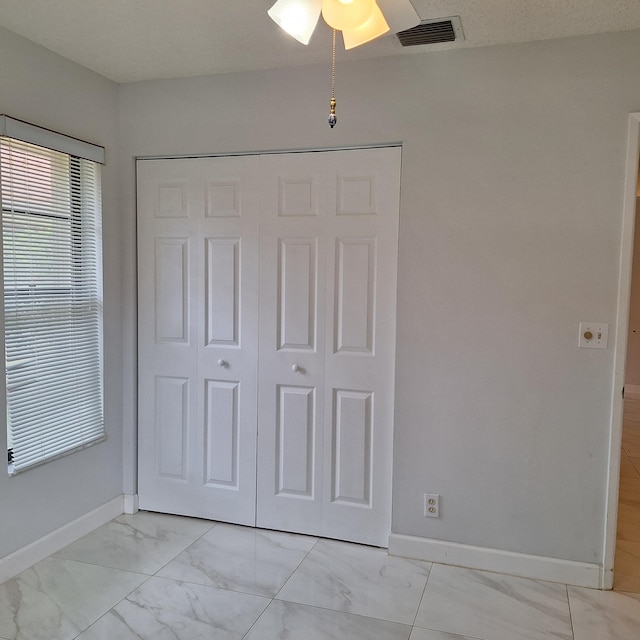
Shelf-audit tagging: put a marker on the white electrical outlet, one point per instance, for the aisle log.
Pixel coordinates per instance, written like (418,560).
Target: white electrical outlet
(593,335)
(432,505)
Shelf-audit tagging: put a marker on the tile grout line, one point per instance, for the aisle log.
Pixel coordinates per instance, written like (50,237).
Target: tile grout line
(284,584)
(211,528)
(573,633)
(351,613)
(148,576)
(424,591)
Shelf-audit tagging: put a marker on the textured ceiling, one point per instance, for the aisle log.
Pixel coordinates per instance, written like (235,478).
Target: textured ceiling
(130,40)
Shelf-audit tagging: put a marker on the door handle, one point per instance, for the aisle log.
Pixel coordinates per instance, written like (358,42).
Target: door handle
(295,368)
(222,363)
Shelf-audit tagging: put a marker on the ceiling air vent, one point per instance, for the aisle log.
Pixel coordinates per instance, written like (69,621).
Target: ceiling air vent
(432,32)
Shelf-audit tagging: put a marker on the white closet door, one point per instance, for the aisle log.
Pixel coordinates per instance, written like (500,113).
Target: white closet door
(292,337)
(362,232)
(329,231)
(198,274)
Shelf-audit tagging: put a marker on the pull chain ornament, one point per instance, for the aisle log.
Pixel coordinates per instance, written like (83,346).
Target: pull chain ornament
(332,114)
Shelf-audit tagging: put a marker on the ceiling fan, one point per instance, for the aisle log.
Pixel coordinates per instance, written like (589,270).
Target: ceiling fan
(360,21)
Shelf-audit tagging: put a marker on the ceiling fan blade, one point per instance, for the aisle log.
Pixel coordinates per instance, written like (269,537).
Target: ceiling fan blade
(400,14)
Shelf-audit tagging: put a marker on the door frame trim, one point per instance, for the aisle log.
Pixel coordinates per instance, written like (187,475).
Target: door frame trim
(264,152)
(620,348)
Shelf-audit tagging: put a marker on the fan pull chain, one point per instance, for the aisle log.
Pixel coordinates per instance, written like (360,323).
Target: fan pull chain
(332,114)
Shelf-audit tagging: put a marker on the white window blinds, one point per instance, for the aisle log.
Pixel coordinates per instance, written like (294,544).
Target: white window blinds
(51,237)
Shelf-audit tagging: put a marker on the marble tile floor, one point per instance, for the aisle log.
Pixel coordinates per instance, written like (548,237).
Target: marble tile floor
(159,577)
(627,560)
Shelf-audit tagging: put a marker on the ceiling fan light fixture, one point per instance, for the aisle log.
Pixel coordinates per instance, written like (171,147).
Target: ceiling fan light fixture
(373,28)
(359,20)
(297,17)
(346,14)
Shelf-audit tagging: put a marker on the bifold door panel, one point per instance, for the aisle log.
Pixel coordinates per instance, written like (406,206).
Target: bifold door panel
(267,290)
(197,281)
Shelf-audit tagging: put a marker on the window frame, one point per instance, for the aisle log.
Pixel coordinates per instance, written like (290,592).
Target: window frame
(77,151)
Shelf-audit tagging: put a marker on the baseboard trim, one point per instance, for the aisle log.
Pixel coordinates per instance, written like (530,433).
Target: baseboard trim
(580,574)
(131,503)
(16,562)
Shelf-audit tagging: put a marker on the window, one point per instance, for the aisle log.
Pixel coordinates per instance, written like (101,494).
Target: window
(51,238)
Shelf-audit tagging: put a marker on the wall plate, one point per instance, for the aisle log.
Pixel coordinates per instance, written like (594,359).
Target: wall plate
(593,335)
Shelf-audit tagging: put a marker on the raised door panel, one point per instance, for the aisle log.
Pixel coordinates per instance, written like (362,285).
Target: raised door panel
(354,292)
(295,442)
(351,455)
(167,406)
(222,291)
(297,295)
(171,199)
(171,284)
(224,194)
(221,441)
(299,191)
(171,402)
(357,191)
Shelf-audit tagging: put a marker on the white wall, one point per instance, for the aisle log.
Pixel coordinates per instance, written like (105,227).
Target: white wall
(512,188)
(510,221)
(47,90)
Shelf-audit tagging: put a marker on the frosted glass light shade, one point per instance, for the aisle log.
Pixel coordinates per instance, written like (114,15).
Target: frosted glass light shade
(297,17)
(373,28)
(346,14)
